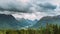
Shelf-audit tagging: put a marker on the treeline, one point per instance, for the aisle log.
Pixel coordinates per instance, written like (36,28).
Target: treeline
(49,29)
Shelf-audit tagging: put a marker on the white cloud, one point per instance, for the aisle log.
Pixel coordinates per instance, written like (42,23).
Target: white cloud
(30,9)
(30,16)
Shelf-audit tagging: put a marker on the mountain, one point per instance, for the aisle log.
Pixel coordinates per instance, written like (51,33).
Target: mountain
(27,22)
(8,22)
(48,19)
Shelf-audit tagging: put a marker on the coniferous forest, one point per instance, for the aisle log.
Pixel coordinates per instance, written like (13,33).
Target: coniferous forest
(49,29)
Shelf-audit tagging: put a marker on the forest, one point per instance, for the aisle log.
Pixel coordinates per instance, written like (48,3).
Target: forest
(49,29)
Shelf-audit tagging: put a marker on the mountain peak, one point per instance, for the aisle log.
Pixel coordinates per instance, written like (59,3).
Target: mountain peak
(5,16)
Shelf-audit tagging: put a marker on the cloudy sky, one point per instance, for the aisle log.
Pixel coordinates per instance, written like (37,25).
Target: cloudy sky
(30,9)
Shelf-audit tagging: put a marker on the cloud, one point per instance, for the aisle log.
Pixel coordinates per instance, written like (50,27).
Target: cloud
(27,6)
(39,8)
(48,6)
(13,5)
(30,16)
(44,7)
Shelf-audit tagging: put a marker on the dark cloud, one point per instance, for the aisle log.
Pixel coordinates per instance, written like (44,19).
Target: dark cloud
(13,5)
(18,6)
(47,6)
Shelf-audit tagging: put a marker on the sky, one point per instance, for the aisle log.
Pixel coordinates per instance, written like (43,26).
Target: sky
(30,9)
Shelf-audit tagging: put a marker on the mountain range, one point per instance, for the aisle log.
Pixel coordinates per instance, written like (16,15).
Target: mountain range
(9,22)
(27,22)
(47,19)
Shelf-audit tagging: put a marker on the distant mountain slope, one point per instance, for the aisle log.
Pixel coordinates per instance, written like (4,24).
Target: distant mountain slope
(27,22)
(49,20)
(8,22)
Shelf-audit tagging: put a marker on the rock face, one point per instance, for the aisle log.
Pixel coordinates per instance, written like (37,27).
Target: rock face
(49,20)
